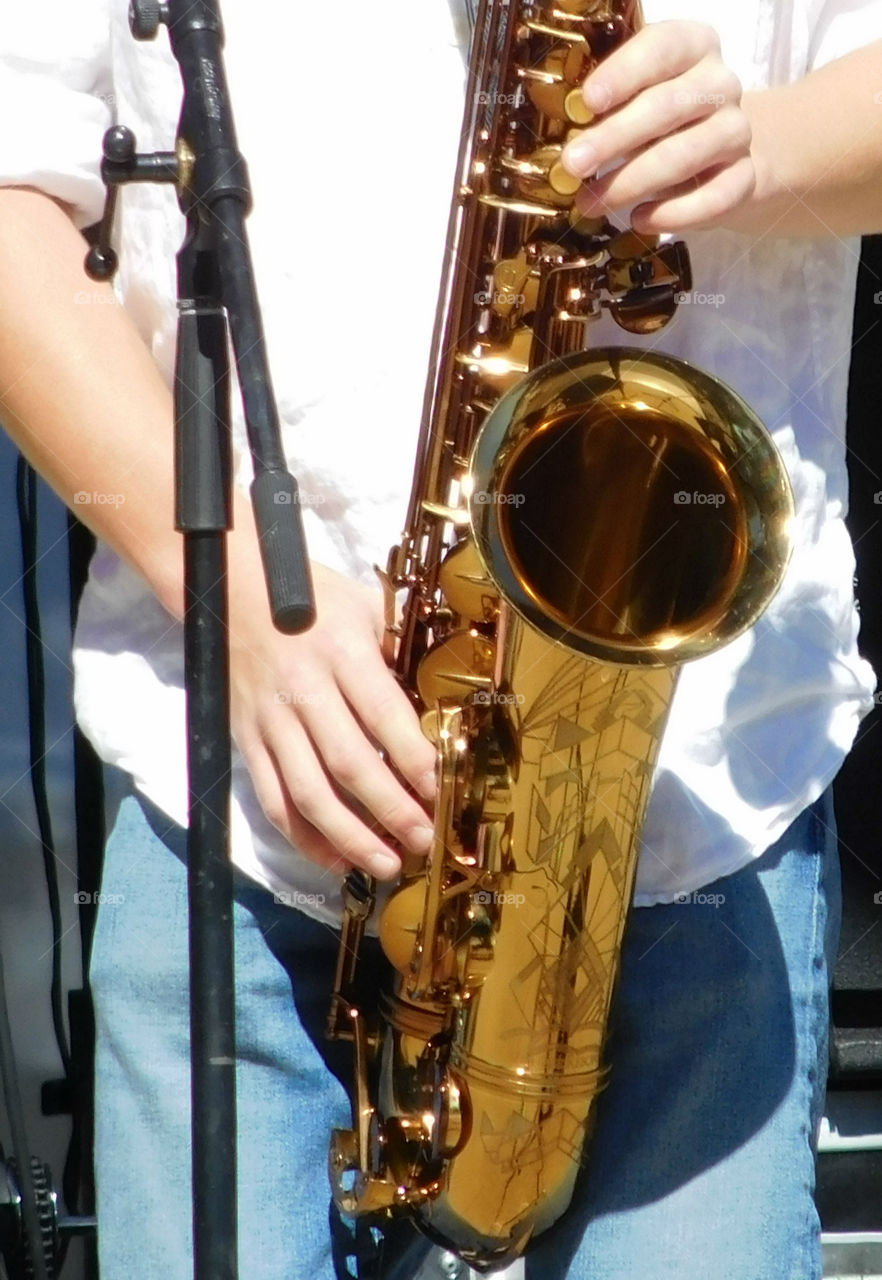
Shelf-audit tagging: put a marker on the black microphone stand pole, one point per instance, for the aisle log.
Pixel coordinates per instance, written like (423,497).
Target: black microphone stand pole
(215,288)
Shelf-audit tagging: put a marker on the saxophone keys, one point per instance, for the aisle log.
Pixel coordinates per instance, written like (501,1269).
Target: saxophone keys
(457,516)
(540,175)
(561,181)
(457,668)
(639,262)
(465,585)
(547,93)
(576,109)
(580,8)
(630,244)
(430,723)
(391,629)
(536,26)
(369,1193)
(501,364)
(399,924)
(524,208)
(590,228)
(644,311)
(674,256)
(551,87)
(515,287)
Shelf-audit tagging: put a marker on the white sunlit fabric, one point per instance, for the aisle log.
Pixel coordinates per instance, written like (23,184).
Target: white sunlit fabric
(350,136)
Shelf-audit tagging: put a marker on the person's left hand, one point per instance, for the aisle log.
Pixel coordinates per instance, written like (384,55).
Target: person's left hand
(669,112)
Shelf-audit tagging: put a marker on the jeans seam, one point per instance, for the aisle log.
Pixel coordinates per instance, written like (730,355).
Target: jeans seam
(807,1267)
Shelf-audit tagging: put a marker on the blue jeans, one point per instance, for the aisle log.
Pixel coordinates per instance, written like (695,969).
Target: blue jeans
(701,1165)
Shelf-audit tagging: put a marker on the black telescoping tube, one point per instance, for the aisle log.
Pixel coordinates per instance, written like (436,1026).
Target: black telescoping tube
(212,991)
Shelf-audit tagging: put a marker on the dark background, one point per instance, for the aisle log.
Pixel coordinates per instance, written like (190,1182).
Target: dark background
(858,985)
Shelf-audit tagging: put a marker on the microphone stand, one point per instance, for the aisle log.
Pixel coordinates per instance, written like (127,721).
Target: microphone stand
(216,291)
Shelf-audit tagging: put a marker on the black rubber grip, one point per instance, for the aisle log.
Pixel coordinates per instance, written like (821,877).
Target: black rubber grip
(283,546)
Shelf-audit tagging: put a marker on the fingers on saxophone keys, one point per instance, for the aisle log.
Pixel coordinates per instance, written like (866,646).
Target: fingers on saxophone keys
(658,52)
(386,712)
(305,808)
(693,205)
(281,813)
(662,112)
(678,159)
(353,763)
(298,797)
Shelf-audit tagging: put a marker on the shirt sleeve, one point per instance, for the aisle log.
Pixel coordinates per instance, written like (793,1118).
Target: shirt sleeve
(56,100)
(840,27)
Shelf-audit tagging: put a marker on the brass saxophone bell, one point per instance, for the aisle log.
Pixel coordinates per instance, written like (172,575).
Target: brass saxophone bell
(630,506)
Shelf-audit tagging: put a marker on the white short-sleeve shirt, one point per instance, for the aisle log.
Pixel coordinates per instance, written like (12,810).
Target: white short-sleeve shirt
(756,730)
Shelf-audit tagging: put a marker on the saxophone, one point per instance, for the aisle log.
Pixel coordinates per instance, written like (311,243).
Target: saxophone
(581,524)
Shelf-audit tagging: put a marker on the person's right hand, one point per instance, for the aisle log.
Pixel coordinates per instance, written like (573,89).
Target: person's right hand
(308,712)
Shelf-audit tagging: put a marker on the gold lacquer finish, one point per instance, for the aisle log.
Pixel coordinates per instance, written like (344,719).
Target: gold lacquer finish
(581,523)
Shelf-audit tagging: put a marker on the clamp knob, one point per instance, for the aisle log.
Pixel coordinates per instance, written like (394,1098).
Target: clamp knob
(146,17)
(118,146)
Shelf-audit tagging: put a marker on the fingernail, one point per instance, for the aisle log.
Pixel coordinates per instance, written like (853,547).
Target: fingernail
(383,865)
(426,785)
(580,156)
(597,96)
(420,839)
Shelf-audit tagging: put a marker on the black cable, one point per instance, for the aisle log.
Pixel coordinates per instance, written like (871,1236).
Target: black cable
(88,768)
(78,1178)
(26,492)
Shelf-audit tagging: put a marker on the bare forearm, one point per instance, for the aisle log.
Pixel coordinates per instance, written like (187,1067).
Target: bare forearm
(80,394)
(817,148)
